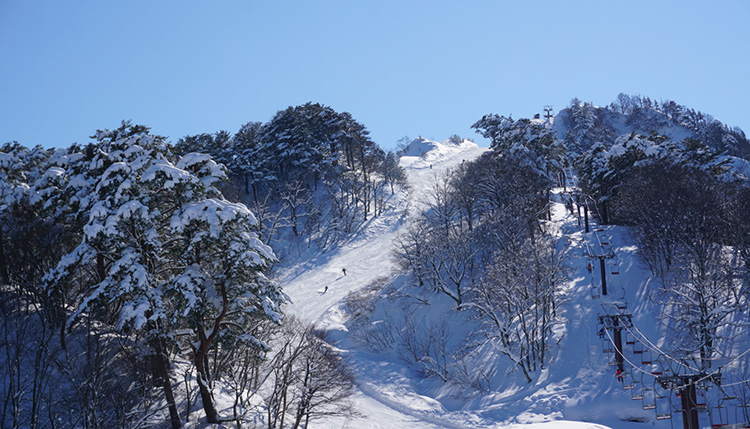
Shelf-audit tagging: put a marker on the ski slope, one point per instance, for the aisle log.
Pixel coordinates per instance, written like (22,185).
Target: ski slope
(578,385)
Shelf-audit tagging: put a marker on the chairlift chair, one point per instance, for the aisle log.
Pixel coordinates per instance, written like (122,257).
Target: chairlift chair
(629,340)
(637,348)
(636,395)
(663,416)
(595,292)
(723,416)
(648,401)
(663,402)
(724,419)
(700,399)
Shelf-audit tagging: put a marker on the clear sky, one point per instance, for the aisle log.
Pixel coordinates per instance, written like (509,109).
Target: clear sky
(429,68)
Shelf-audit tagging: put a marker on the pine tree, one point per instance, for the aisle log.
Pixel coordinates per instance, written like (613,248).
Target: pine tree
(168,251)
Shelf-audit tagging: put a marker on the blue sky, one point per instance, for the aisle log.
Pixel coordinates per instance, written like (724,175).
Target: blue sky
(428,68)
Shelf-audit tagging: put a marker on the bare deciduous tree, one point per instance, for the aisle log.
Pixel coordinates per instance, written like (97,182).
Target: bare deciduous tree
(306,378)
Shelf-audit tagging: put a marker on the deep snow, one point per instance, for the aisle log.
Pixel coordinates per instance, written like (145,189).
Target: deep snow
(577,387)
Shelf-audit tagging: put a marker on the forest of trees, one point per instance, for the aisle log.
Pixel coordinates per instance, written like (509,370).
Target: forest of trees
(690,218)
(135,272)
(281,164)
(124,260)
(483,241)
(587,124)
(687,207)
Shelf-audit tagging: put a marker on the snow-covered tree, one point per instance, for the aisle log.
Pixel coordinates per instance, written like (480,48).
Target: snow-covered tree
(516,301)
(532,142)
(173,259)
(682,217)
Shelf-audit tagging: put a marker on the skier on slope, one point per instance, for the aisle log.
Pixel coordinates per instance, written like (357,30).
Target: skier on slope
(344,270)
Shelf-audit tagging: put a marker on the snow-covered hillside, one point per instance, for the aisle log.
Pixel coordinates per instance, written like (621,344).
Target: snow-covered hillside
(577,390)
(388,395)
(318,286)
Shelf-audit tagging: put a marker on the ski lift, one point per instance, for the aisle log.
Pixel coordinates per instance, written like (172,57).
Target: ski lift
(661,413)
(724,419)
(607,346)
(615,266)
(661,366)
(595,292)
(648,402)
(700,399)
(629,340)
(637,348)
(663,416)
(636,396)
(646,357)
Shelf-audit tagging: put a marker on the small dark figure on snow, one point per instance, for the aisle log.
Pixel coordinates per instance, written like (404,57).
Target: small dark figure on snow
(326,289)
(344,270)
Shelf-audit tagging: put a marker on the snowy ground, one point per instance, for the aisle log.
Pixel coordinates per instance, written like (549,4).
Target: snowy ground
(580,386)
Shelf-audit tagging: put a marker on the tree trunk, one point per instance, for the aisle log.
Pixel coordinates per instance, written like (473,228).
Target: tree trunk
(212,416)
(160,372)
(100,266)
(4,276)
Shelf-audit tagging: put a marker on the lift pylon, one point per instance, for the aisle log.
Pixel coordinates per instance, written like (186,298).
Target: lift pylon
(616,323)
(688,386)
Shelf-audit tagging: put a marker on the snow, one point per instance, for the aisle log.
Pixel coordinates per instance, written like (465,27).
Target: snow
(173,174)
(740,167)
(421,152)
(213,212)
(387,394)
(576,390)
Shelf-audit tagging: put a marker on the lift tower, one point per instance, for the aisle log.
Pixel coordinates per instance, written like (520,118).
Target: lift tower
(547,112)
(616,323)
(687,385)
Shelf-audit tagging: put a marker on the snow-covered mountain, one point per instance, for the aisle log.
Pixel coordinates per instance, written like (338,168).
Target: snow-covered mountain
(578,389)
(583,124)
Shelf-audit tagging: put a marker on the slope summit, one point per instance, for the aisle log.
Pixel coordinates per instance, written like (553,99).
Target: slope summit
(422,152)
